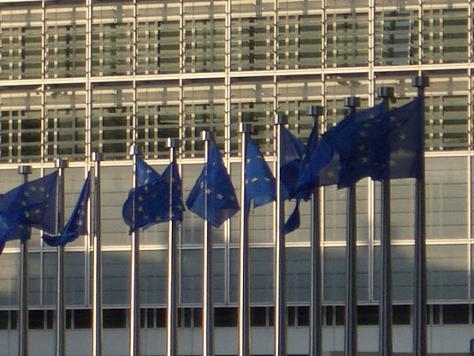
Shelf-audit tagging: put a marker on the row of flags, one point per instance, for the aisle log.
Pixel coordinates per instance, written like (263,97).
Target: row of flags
(372,143)
(378,143)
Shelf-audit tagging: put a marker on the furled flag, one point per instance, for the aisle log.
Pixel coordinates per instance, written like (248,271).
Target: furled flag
(77,223)
(399,149)
(213,196)
(259,181)
(152,201)
(32,204)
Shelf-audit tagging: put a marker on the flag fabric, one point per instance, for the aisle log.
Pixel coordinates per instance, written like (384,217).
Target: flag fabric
(152,200)
(344,153)
(77,223)
(32,204)
(292,151)
(259,181)
(213,186)
(399,150)
(144,175)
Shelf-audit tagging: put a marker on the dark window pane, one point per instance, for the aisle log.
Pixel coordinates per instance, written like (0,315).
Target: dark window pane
(82,319)
(225,317)
(142,318)
(303,316)
(401,314)
(3,320)
(150,318)
(456,314)
(115,318)
(368,315)
(197,320)
(271,316)
(161,321)
(68,319)
(329,315)
(291,316)
(258,316)
(36,319)
(49,319)
(339,315)
(13,319)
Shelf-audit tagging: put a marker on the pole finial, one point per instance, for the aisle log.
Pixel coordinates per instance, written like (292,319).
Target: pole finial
(97,156)
(60,163)
(351,102)
(281,119)
(421,81)
(25,169)
(385,92)
(245,128)
(134,150)
(172,142)
(206,135)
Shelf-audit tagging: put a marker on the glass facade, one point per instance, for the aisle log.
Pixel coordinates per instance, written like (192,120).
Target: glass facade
(84,76)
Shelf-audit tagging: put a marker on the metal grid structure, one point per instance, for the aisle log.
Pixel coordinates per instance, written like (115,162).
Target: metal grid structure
(81,76)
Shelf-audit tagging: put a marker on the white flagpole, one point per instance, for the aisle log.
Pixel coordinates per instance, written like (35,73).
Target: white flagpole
(280,256)
(207,300)
(316,342)
(244,276)
(97,332)
(385,324)
(135,273)
(23,319)
(420,238)
(350,334)
(172,305)
(60,301)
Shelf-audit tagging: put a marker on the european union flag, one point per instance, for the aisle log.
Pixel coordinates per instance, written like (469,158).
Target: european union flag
(144,172)
(345,153)
(399,149)
(259,180)
(77,223)
(145,175)
(292,151)
(152,201)
(215,187)
(32,204)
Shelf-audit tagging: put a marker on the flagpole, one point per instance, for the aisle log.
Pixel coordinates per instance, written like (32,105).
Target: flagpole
(135,272)
(316,342)
(280,262)
(97,332)
(350,333)
(420,237)
(23,320)
(207,300)
(172,309)
(385,314)
(60,300)
(244,276)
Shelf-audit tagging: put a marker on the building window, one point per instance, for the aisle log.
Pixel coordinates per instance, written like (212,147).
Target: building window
(456,314)
(115,318)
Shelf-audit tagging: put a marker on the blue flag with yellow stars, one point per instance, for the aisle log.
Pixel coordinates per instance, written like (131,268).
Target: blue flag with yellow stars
(346,152)
(77,223)
(144,172)
(292,150)
(213,186)
(32,204)
(152,201)
(259,180)
(400,147)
